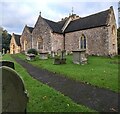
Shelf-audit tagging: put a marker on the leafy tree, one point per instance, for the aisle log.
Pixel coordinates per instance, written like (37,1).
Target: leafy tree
(1,30)
(118,39)
(6,37)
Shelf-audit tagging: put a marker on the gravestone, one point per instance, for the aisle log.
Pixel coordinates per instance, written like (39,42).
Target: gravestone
(8,64)
(0,91)
(60,58)
(30,57)
(52,54)
(43,55)
(14,96)
(0,56)
(58,52)
(3,51)
(79,57)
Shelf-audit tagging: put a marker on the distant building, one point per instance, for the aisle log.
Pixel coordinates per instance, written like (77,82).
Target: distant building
(119,14)
(15,46)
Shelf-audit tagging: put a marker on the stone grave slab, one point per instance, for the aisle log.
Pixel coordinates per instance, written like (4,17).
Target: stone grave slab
(0,91)
(79,57)
(43,55)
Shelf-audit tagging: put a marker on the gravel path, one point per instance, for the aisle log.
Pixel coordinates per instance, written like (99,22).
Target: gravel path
(102,100)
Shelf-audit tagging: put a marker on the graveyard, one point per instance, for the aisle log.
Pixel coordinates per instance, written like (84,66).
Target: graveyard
(67,62)
(43,98)
(100,72)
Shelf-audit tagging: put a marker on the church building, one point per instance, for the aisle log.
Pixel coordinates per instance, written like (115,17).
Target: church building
(97,33)
(15,46)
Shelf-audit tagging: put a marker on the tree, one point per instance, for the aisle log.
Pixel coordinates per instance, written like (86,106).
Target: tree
(6,37)
(118,39)
(1,31)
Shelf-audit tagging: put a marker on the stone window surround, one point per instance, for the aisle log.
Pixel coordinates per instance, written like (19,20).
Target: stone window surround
(40,42)
(113,30)
(25,44)
(83,38)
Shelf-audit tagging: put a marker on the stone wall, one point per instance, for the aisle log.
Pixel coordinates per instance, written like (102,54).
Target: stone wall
(100,40)
(112,30)
(43,31)
(57,42)
(96,38)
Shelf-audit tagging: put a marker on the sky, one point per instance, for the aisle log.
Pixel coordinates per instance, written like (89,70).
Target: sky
(15,14)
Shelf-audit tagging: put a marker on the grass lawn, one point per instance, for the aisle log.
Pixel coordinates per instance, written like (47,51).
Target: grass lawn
(43,98)
(100,71)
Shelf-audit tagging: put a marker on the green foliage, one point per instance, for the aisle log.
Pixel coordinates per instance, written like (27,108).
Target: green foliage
(32,51)
(6,37)
(118,39)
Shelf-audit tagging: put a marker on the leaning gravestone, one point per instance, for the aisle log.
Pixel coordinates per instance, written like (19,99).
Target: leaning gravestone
(14,96)
(0,91)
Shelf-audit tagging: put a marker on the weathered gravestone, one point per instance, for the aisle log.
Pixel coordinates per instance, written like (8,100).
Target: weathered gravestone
(30,57)
(60,58)
(7,63)
(3,51)
(79,57)
(14,96)
(43,55)
(52,54)
(0,91)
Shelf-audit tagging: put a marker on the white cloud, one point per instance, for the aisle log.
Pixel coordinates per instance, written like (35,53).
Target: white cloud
(17,13)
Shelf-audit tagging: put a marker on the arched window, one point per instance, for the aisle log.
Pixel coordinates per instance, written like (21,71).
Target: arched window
(25,44)
(82,42)
(40,44)
(113,30)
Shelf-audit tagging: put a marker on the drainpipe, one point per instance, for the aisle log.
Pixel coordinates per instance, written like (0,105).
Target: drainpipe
(64,40)
(31,41)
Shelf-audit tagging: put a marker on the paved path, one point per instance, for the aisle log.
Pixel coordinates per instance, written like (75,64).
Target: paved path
(96,98)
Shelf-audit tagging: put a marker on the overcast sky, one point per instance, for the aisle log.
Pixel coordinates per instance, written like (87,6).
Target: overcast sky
(17,13)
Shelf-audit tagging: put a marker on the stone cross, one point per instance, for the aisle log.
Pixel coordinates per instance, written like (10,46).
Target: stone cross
(3,51)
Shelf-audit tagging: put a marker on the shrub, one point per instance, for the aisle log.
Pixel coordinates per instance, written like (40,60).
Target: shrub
(33,51)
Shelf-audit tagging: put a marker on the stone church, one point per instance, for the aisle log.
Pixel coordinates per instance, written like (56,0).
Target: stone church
(97,33)
(15,45)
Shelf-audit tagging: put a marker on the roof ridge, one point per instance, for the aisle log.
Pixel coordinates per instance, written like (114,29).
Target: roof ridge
(16,34)
(49,20)
(53,25)
(29,26)
(91,21)
(92,14)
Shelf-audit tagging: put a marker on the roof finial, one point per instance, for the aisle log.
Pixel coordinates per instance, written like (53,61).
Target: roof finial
(72,10)
(40,13)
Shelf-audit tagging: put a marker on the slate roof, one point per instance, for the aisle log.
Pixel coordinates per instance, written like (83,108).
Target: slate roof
(92,21)
(30,29)
(17,39)
(54,26)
